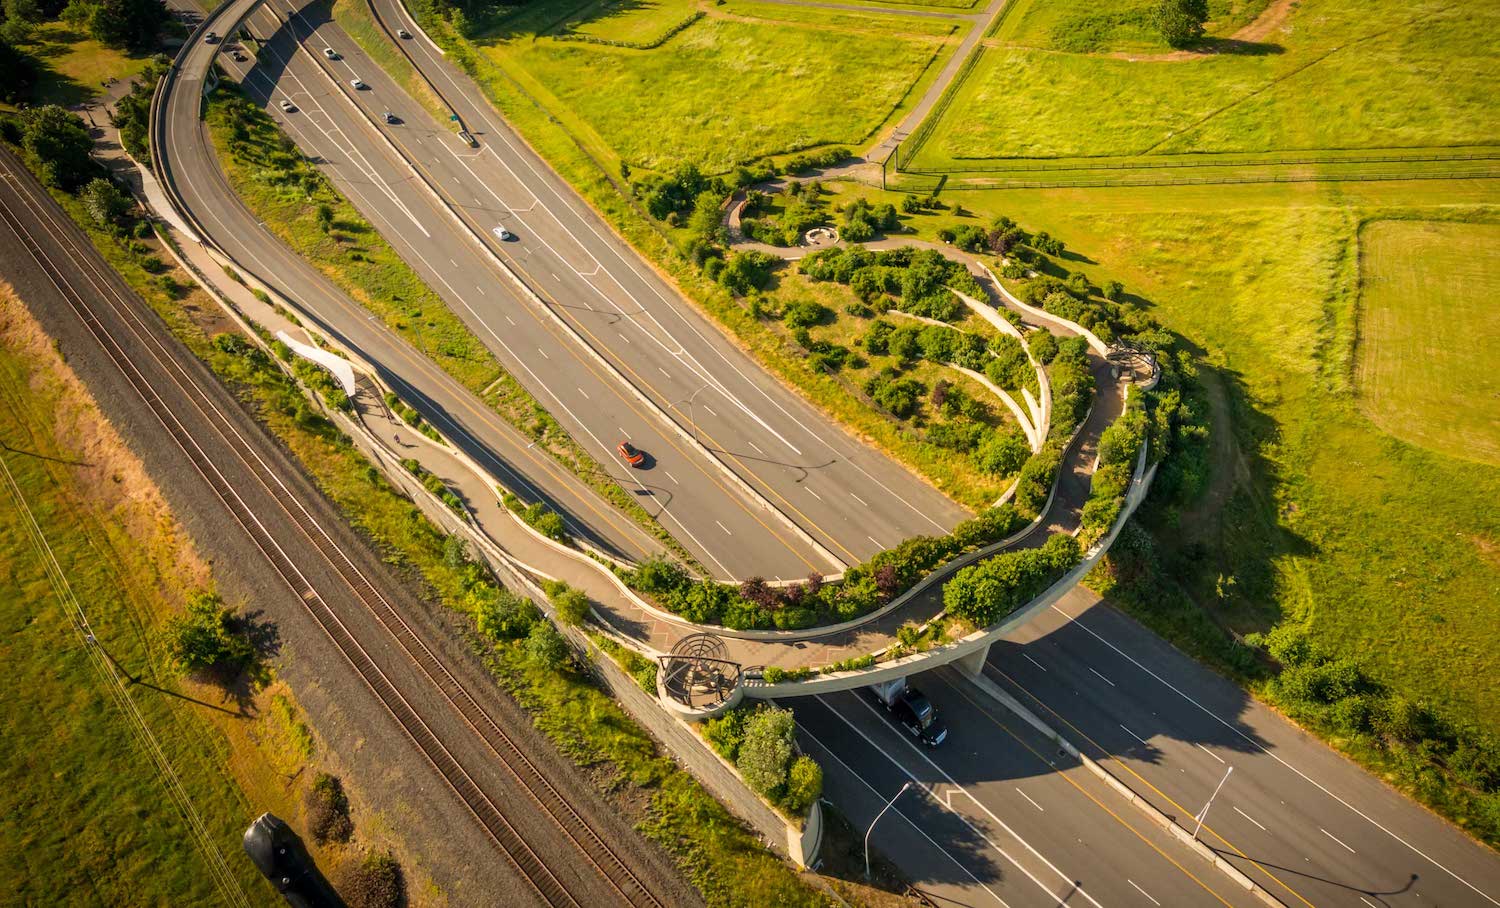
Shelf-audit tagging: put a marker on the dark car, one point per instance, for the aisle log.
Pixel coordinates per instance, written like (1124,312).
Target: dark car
(918,716)
(279,854)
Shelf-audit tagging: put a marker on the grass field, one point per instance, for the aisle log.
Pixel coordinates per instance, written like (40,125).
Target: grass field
(1381,548)
(724,90)
(73,67)
(632,21)
(1121,26)
(1426,317)
(82,809)
(1336,76)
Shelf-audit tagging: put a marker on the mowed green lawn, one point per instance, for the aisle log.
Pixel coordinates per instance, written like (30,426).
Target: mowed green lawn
(1336,75)
(1386,550)
(1427,316)
(725,91)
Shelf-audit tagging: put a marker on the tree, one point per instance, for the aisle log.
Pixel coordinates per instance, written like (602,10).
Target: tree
(545,646)
(767,749)
(502,615)
(1003,453)
(60,145)
(205,638)
(20,74)
(804,784)
(105,202)
(1180,22)
(572,605)
(127,23)
(706,223)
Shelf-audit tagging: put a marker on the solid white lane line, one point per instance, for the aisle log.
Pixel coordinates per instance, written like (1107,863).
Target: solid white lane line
(1142,891)
(724,528)
(1134,735)
(1260,747)
(1337,839)
(909,821)
(1069,880)
(1250,818)
(1028,797)
(1209,752)
(1106,680)
(1034,662)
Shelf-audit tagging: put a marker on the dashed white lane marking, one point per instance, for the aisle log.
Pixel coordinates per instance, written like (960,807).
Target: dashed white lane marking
(1209,752)
(511,320)
(862,502)
(624,338)
(664,372)
(455,264)
(873,539)
(1134,735)
(724,528)
(1368,902)
(710,410)
(480,289)
(812,493)
(1250,818)
(543,352)
(1106,680)
(1337,839)
(1028,797)
(671,477)
(1142,891)
(1034,662)
(554,277)
(585,394)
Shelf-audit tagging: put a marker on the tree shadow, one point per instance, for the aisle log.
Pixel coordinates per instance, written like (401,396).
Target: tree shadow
(1210,46)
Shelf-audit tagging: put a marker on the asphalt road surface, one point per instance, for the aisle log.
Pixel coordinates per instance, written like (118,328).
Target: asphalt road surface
(1304,822)
(807,476)
(498,447)
(62,274)
(998,815)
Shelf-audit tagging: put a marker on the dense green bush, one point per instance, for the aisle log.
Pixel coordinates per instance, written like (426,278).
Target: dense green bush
(804,785)
(546,647)
(500,614)
(825,157)
(743,272)
(208,638)
(765,755)
(1118,446)
(572,605)
(60,145)
(986,592)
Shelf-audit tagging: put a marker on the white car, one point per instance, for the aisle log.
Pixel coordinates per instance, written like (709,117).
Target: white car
(357,84)
(502,234)
(330,53)
(288,106)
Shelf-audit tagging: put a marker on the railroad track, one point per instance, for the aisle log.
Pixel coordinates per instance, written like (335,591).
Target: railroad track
(101,290)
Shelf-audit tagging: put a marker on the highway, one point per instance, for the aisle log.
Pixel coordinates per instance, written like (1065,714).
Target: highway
(1307,824)
(607,345)
(1000,816)
(497,446)
(403,678)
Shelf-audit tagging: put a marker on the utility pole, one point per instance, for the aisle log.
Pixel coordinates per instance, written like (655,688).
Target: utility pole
(1203,815)
(888,805)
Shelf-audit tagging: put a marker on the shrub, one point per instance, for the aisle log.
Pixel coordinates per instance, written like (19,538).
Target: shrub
(803,314)
(746,271)
(374,882)
(726,733)
(766,751)
(1112,290)
(804,785)
(571,604)
(327,810)
(545,646)
(986,592)
(105,202)
(207,639)
(1043,345)
(1003,453)
(500,614)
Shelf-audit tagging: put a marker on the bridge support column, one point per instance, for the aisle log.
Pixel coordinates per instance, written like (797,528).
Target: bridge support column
(973,664)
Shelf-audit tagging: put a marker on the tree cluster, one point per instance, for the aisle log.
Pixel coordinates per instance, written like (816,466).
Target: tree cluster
(761,743)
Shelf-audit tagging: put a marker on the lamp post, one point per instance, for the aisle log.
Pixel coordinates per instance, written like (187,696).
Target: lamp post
(888,805)
(1203,815)
(692,423)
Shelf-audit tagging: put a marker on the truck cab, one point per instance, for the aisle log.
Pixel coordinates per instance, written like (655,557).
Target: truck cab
(912,711)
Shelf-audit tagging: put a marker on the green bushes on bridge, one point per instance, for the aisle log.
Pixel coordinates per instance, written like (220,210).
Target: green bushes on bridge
(986,592)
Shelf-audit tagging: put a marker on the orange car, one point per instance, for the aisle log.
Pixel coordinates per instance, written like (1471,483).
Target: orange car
(631,454)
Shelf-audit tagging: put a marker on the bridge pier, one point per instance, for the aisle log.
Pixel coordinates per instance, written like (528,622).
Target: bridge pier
(972,664)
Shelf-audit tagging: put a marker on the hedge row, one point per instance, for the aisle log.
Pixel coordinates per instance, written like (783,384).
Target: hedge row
(1118,447)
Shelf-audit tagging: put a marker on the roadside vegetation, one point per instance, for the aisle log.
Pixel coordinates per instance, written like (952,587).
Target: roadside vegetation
(287,192)
(761,742)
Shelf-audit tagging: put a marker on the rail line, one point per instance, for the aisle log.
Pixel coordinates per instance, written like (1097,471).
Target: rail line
(532,868)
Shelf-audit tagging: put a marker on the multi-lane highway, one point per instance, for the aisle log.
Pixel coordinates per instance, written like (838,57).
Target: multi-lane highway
(602,340)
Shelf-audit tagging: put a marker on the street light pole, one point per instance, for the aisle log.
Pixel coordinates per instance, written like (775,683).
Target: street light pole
(888,805)
(1204,814)
(692,423)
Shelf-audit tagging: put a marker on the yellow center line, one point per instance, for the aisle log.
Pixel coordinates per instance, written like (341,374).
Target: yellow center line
(1125,766)
(984,709)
